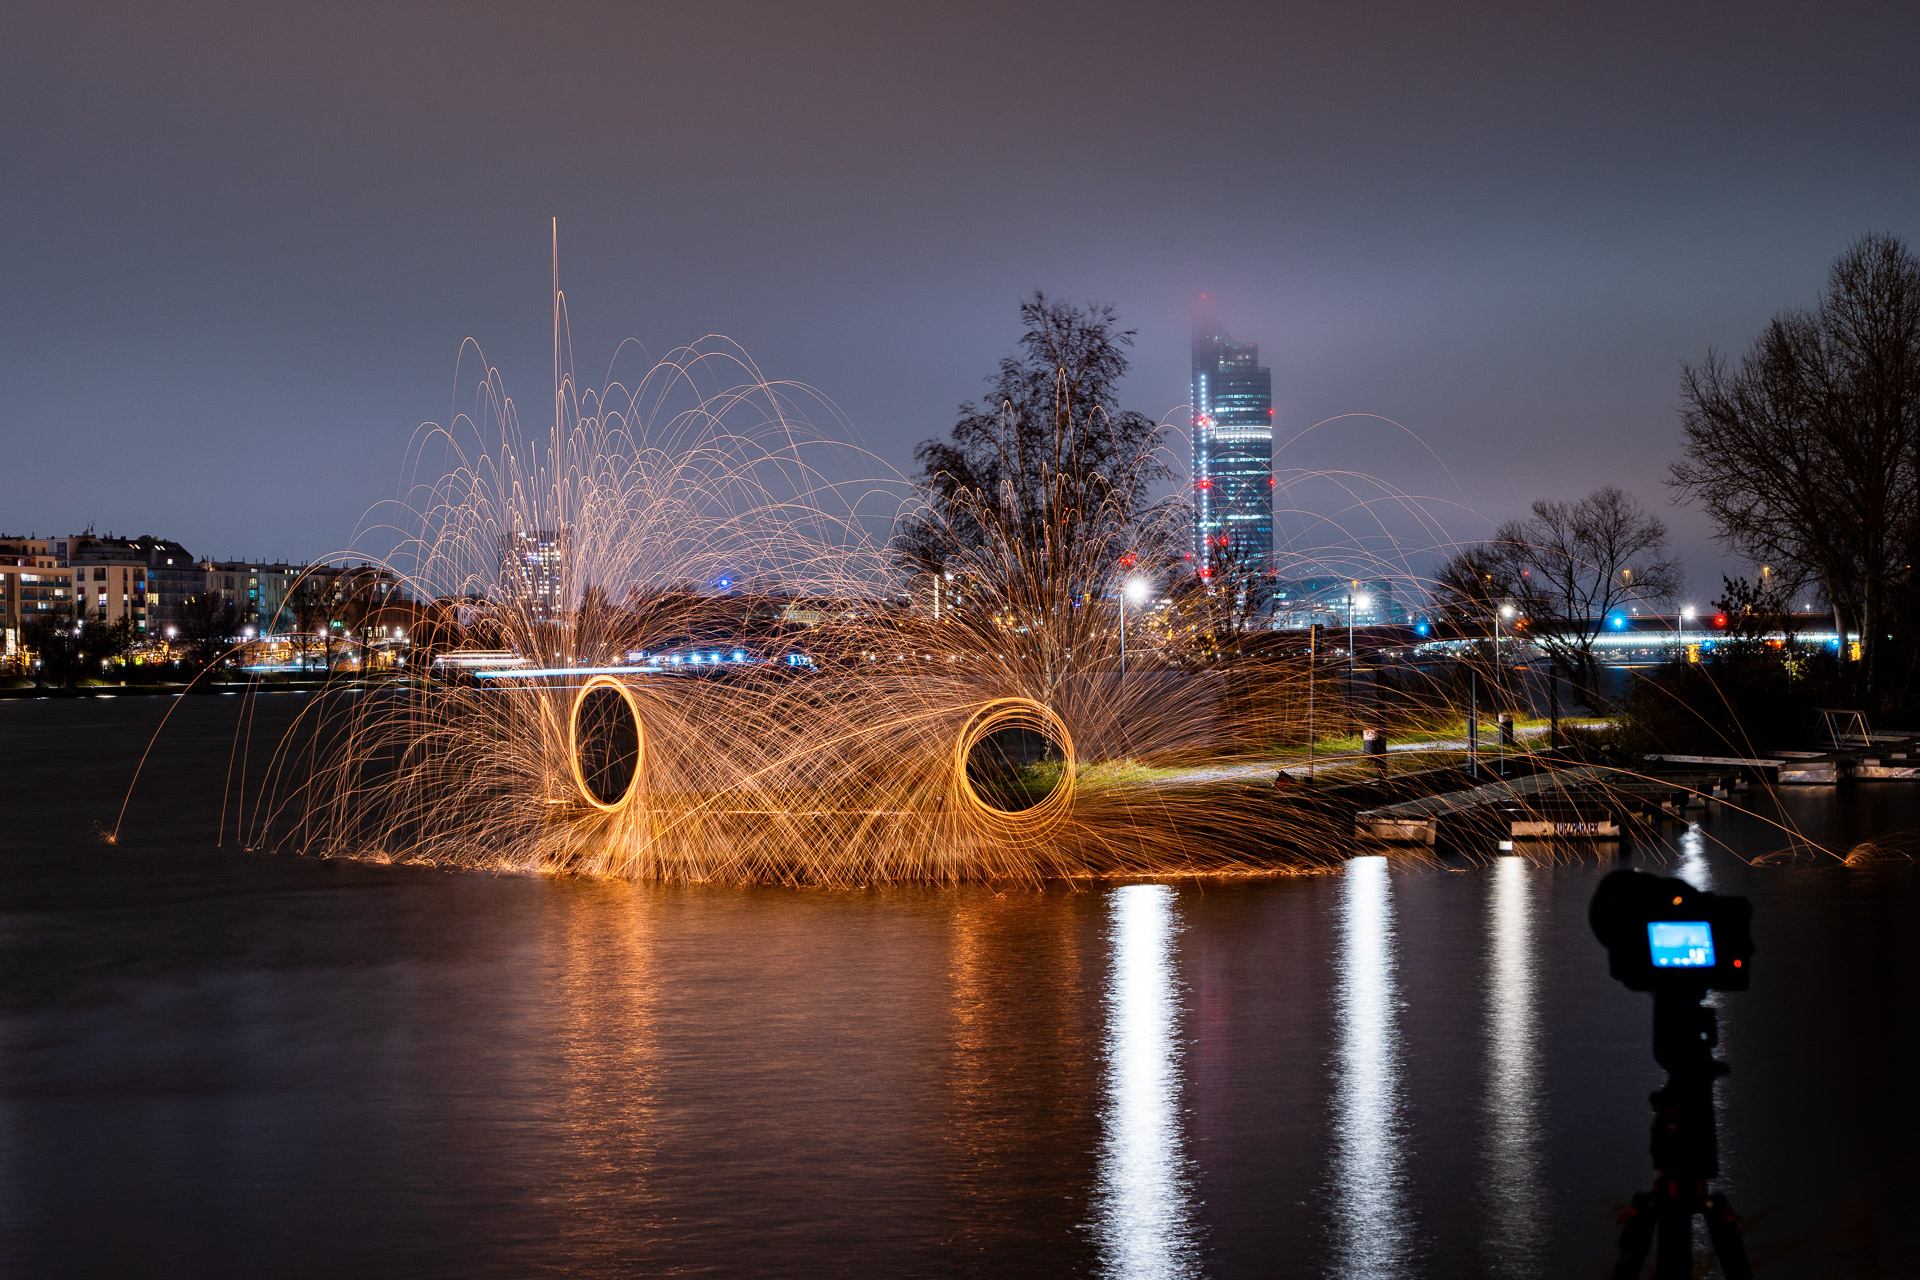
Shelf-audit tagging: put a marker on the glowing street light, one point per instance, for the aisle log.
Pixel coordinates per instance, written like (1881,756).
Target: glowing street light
(1135,591)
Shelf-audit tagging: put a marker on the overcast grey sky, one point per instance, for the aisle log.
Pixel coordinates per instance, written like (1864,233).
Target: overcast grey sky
(244,242)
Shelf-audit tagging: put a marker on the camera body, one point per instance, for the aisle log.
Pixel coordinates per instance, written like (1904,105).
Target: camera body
(1664,935)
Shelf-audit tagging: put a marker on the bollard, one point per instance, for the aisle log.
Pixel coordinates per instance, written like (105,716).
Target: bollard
(1373,742)
(1506,728)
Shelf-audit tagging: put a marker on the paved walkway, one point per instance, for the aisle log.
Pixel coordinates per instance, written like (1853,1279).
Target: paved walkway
(1297,764)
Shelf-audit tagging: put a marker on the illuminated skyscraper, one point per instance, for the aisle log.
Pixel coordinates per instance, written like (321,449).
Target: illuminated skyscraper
(1232,450)
(533,570)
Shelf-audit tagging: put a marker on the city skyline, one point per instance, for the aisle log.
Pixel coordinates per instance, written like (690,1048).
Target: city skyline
(255,242)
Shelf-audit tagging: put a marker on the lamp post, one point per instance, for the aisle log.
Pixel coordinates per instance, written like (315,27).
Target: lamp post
(1313,657)
(1136,591)
(1686,616)
(1500,672)
(1353,599)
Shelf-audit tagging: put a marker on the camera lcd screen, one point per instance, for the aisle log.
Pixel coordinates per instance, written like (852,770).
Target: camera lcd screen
(1681,944)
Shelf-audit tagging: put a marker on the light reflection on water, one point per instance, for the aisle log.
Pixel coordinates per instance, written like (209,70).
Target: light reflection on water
(1698,872)
(1144,1211)
(1694,868)
(257,1066)
(1369,1209)
(1513,1072)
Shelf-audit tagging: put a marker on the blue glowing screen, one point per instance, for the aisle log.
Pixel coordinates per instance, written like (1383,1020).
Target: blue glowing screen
(1680,944)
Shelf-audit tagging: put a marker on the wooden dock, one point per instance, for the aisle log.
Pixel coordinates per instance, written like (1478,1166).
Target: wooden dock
(1424,819)
(1572,802)
(1547,797)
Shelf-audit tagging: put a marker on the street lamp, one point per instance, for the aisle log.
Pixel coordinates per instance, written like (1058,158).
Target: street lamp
(1353,586)
(1499,672)
(1135,591)
(1686,616)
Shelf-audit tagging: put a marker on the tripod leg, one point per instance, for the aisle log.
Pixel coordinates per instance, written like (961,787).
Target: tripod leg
(1723,1229)
(1673,1259)
(1636,1237)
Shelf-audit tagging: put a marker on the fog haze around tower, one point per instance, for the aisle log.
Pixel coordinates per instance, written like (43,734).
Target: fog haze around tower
(1232,416)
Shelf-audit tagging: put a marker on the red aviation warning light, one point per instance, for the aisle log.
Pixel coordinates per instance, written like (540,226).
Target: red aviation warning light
(1719,619)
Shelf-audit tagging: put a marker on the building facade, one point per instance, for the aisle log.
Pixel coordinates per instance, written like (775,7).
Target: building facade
(1232,452)
(1363,602)
(109,578)
(33,587)
(260,593)
(172,575)
(533,570)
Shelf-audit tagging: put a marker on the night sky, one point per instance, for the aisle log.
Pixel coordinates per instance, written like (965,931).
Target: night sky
(243,243)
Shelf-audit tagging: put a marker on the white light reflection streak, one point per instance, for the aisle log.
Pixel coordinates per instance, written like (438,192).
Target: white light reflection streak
(1369,1209)
(1513,1074)
(1144,1201)
(1698,872)
(1694,868)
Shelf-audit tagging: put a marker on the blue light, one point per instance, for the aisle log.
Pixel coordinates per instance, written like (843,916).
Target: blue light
(1421,628)
(1680,944)
(1619,622)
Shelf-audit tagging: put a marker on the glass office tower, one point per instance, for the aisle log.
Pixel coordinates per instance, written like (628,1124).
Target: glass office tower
(1232,450)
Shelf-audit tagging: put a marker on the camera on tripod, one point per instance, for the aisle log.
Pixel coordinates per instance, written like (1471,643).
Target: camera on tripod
(1664,935)
(1669,938)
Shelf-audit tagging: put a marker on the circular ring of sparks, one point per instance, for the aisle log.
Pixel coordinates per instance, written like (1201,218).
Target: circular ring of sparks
(573,743)
(1004,713)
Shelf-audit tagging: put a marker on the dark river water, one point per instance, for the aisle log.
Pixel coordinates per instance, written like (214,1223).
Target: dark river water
(215,1063)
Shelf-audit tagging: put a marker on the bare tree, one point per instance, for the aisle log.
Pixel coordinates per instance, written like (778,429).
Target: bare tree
(1570,566)
(1470,587)
(207,627)
(54,640)
(1806,453)
(1755,609)
(1049,474)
